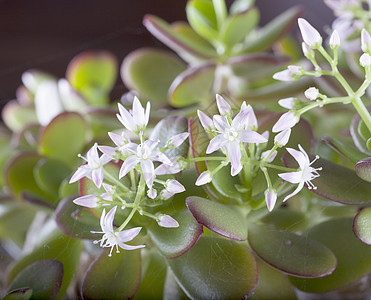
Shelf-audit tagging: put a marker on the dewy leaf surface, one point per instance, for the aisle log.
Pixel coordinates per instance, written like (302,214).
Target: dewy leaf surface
(362,225)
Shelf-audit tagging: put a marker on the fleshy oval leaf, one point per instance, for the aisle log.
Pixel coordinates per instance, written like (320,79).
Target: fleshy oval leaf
(286,219)
(216,268)
(362,225)
(182,39)
(76,221)
(192,86)
(47,282)
(363,169)
(64,137)
(336,182)
(55,246)
(101,121)
(19,294)
(92,68)
(353,256)
(167,128)
(115,277)
(151,72)
(218,217)
(236,27)
(17,117)
(173,242)
(290,252)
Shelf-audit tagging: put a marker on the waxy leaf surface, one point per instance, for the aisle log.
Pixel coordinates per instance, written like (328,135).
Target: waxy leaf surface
(218,217)
(216,268)
(353,256)
(362,225)
(291,253)
(115,277)
(363,169)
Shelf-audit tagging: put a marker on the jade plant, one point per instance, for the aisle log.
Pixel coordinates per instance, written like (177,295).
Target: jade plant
(225,199)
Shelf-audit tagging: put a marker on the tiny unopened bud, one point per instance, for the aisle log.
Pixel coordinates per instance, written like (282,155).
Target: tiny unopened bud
(174,186)
(307,51)
(365,41)
(264,155)
(288,103)
(90,201)
(311,93)
(310,35)
(287,120)
(365,60)
(167,221)
(284,75)
(152,193)
(270,198)
(335,40)
(295,70)
(223,106)
(204,178)
(283,137)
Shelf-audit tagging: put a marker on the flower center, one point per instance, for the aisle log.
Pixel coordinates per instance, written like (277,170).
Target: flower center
(231,134)
(143,152)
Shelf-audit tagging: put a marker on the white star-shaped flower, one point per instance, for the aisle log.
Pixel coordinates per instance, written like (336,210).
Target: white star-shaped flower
(305,174)
(113,238)
(137,119)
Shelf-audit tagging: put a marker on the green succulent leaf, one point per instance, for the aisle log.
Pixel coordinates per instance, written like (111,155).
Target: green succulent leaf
(236,27)
(151,72)
(76,221)
(115,277)
(344,149)
(167,128)
(67,126)
(216,268)
(49,173)
(337,183)
(273,31)
(19,178)
(57,246)
(291,253)
(16,117)
(353,256)
(201,16)
(181,38)
(192,86)
(363,169)
(286,219)
(173,242)
(272,284)
(360,134)
(218,217)
(33,78)
(19,294)
(362,225)
(239,6)
(47,282)
(101,121)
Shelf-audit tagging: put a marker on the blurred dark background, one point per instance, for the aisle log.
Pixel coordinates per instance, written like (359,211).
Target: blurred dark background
(47,34)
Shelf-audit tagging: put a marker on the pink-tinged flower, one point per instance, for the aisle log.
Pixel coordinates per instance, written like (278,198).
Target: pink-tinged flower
(167,221)
(223,106)
(310,35)
(206,122)
(94,167)
(287,120)
(177,140)
(230,137)
(138,119)
(288,103)
(152,193)
(172,187)
(283,137)
(122,145)
(365,60)
(311,93)
(307,51)
(264,155)
(305,174)
(365,40)
(270,198)
(251,121)
(175,167)
(145,154)
(205,177)
(334,40)
(290,74)
(92,200)
(113,238)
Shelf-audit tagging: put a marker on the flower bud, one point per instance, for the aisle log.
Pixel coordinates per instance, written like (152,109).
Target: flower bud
(311,93)
(204,178)
(287,120)
(270,198)
(167,221)
(310,35)
(87,201)
(365,41)
(152,193)
(283,137)
(174,186)
(334,40)
(264,155)
(307,51)
(223,106)
(365,60)
(288,103)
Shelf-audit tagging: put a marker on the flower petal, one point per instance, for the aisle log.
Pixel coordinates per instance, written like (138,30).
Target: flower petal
(148,171)
(128,247)
(98,176)
(126,118)
(297,190)
(293,177)
(248,136)
(223,106)
(138,112)
(128,234)
(215,143)
(82,171)
(220,123)
(128,164)
(108,220)
(300,157)
(234,154)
